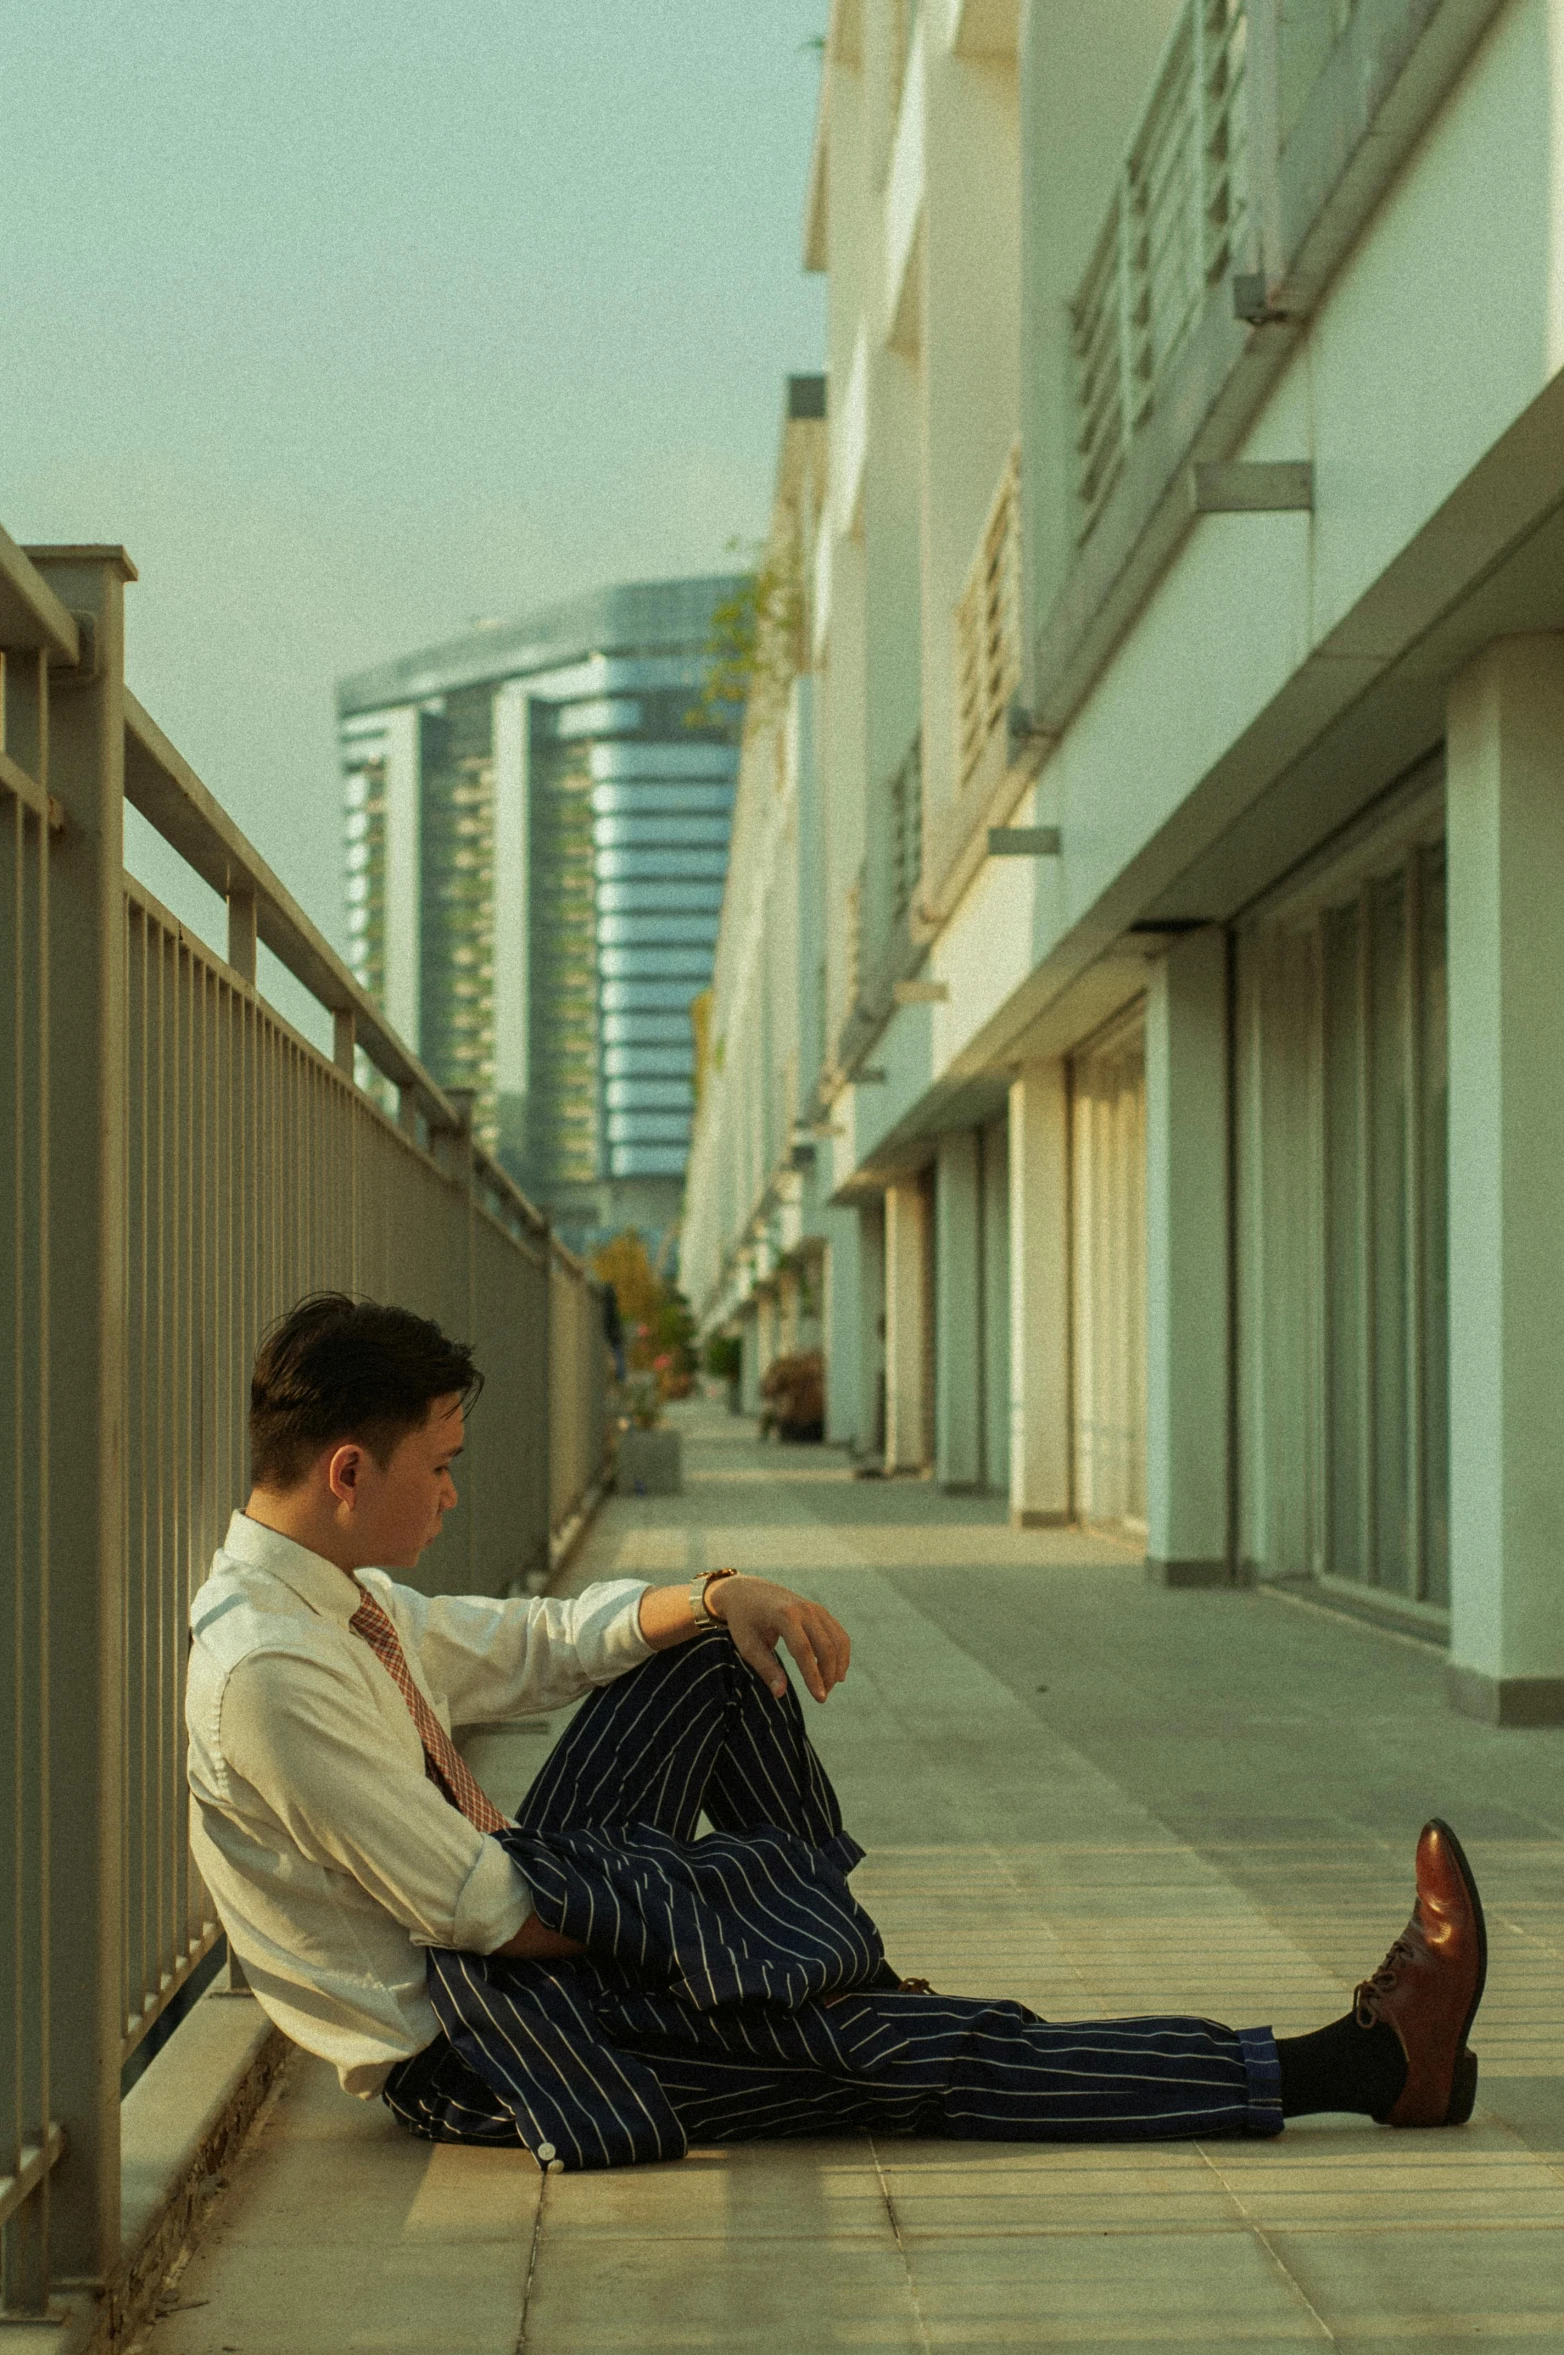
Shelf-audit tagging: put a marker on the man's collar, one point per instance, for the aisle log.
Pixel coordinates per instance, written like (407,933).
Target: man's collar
(326,1589)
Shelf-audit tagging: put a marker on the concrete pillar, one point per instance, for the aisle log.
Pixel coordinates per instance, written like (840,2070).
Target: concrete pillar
(995,1183)
(749,1360)
(906,1326)
(787,1312)
(958,1294)
(1040,1407)
(768,1325)
(1505,812)
(843,1315)
(1188,1309)
(871,1328)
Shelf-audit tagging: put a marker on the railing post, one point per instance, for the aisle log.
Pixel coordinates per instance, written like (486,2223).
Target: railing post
(25,2105)
(242,936)
(552,1405)
(453,1153)
(1201,190)
(1262,93)
(87,1410)
(1126,295)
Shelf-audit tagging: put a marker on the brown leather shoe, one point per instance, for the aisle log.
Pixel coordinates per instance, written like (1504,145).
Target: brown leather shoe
(1429,1986)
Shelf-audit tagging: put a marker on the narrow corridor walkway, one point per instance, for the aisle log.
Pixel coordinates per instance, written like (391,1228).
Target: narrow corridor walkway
(1076,1790)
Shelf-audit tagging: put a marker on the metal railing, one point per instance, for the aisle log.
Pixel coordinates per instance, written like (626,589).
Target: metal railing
(1173,229)
(177,1165)
(988,626)
(879,947)
(905,844)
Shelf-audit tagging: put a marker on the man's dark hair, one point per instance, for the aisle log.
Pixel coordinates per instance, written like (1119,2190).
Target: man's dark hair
(335,1368)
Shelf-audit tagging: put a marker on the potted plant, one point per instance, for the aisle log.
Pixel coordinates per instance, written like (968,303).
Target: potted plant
(793,1388)
(725,1364)
(649,1459)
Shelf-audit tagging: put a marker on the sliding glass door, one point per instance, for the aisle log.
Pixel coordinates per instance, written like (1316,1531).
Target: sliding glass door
(1342,1228)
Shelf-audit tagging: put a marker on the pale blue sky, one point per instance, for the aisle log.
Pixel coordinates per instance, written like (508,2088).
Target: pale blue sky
(356,322)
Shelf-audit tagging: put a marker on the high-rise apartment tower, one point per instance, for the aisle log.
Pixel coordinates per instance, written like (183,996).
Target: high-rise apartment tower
(537,819)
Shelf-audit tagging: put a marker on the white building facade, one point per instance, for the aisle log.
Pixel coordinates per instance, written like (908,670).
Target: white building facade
(1179,718)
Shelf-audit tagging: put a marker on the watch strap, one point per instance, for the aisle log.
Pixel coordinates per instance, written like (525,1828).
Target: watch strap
(700,1610)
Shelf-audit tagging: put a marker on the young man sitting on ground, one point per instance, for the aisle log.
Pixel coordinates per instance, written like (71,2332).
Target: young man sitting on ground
(590,1979)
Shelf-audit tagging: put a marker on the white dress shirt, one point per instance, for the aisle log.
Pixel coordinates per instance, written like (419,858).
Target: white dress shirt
(332,1859)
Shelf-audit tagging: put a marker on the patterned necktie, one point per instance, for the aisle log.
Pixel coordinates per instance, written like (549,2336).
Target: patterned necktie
(444,1764)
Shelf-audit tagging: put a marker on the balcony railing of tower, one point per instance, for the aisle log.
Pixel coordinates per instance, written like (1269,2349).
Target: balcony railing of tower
(177,1166)
(1174,228)
(881,946)
(988,627)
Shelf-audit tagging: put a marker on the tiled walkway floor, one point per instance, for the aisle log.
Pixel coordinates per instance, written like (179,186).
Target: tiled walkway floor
(1075,1790)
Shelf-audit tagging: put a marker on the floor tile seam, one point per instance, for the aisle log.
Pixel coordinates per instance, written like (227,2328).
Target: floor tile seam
(533,2253)
(913,2299)
(1432,2228)
(719,2236)
(1214,2175)
(1528,1938)
(1294,2284)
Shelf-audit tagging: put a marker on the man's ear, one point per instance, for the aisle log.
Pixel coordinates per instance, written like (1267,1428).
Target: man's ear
(344,1469)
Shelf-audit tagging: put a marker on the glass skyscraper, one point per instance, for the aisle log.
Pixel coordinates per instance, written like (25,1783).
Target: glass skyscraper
(537,820)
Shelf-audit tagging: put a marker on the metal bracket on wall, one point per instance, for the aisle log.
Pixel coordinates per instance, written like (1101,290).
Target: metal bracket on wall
(1026,739)
(1252,486)
(1252,301)
(1024,842)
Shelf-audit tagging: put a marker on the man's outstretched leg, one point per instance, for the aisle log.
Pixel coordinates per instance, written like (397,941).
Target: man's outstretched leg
(929,2064)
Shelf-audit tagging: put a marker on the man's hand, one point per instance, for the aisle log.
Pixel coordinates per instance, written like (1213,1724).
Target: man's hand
(759,1616)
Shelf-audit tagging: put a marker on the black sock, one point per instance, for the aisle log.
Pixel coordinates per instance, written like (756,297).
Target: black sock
(1342,2067)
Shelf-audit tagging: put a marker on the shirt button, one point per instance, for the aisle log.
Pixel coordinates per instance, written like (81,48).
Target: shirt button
(545,2152)
(555,2167)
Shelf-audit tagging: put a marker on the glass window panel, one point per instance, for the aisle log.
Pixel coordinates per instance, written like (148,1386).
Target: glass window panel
(1344,1386)
(1436,1233)
(1388,1235)
(660,831)
(628,799)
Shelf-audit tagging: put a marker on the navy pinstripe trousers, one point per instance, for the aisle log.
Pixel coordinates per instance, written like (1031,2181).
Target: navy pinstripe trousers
(733,1989)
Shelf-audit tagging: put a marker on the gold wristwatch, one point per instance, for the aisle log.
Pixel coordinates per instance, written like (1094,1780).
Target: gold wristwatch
(700,1611)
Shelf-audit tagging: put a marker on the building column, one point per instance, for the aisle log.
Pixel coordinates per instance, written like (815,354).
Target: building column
(1040,1405)
(767,1327)
(1188,1280)
(958,1294)
(842,1315)
(870,1310)
(787,1312)
(906,1326)
(1505,818)
(749,1360)
(996,1306)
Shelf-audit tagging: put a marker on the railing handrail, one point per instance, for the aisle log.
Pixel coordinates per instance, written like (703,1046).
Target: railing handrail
(161,784)
(164,788)
(987,624)
(1122,345)
(31,615)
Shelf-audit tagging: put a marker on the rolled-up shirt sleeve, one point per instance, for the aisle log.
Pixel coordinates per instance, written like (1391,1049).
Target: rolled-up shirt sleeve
(302,1745)
(490,1660)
